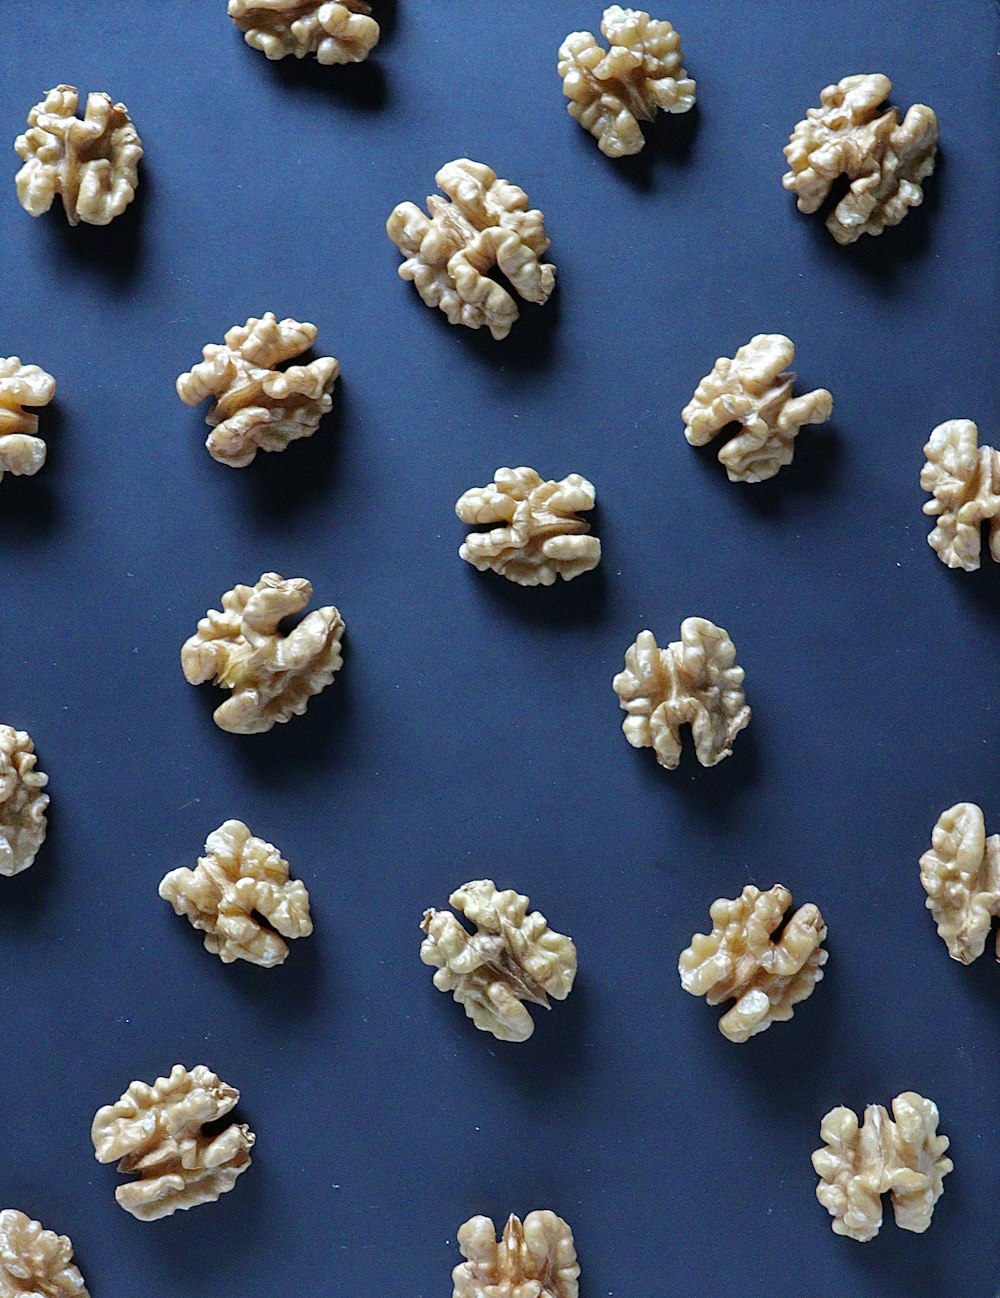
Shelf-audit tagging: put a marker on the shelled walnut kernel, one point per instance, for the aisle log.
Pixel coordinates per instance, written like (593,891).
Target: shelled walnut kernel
(964,480)
(22,453)
(34,1262)
(22,802)
(536,1259)
(336,31)
(961,876)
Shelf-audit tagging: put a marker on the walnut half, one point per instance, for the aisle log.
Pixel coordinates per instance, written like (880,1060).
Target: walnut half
(22,801)
(22,453)
(34,1262)
(340,31)
(536,1259)
(964,480)
(961,876)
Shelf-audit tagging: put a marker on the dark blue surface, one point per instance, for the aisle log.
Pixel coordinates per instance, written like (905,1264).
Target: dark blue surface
(473,730)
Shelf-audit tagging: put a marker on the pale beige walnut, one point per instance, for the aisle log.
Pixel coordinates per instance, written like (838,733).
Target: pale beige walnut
(22,801)
(534,1259)
(241,897)
(964,479)
(961,876)
(904,1157)
(884,159)
(694,681)
(259,407)
(740,960)
(156,1132)
(35,1262)
(21,451)
(338,32)
(513,956)
(611,91)
(754,390)
(273,676)
(486,223)
(540,537)
(92,163)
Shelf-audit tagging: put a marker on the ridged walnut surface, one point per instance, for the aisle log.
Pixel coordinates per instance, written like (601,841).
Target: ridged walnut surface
(21,451)
(961,876)
(34,1262)
(754,389)
(611,91)
(486,223)
(964,479)
(540,537)
(339,32)
(884,159)
(536,1259)
(694,681)
(22,802)
(92,163)
(740,961)
(513,956)
(272,676)
(905,1158)
(156,1132)
(257,406)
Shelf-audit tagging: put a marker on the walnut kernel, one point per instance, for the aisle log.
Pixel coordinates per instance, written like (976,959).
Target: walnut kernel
(21,451)
(340,31)
(34,1262)
(964,479)
(536,1259)
(961,876)
(22,802)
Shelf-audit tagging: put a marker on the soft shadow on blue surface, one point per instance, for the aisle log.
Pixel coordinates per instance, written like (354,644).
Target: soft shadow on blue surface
(670,140)
(112,252)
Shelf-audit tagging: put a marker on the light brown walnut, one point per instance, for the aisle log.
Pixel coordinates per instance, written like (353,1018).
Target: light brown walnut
(156,1132)
(884,159)
(272,676)
(540,537)
(754,390)
(93,163)
(611,91)
(512,957)
(740,960)
(22,801)
(35,1262)
(485,222)
(259,407)
(961,876)
(337,32)
(536,1259)
(21,451)
(964,480)
(902,1156)
(694,681)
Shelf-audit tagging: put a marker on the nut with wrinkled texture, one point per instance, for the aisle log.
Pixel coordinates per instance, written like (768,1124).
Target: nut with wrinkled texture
(612,91)
(754,390)
(536,1259)
(961,876)
(513,956)
(92,163)
(35,1262)
(884,159)
(964,479)
(240,881)
(487,223)
(905,1158)
(22,802)
(259,407)
(337,32)
(739,960)
(272,676)
(21,451)
(156,1132)
(694,681)
(540,537)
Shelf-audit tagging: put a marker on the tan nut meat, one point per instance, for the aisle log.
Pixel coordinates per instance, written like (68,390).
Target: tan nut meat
(961,876)
(338,32)
(740,961)
(21,451)
(513,956)
(34,1262)
(272,676)
(259,407)
(754,390)
(486,223)
(964,480)
(884,159)
(536,1259)
(156,1132)
(904,1158)
(22,802)
(92,163)
(540,537)
(611,91)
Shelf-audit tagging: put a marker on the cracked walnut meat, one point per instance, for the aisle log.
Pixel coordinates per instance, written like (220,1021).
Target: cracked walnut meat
(694,681)
(540,536)
(34,1262)
(611,91)
(272,675)
(22,801)
(533,1259)
(156,1132)
(337,32)
(961,876)
(484,222)
(22,453)
(903,1156)
(884,159)
(259,407)
(964,481)
(513,956)
(92,163)
(740,960)
(754,390)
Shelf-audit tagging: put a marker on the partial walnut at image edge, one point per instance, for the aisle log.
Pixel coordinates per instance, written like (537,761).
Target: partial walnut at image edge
(961,876)
(22,451)
(964,481)
(23,803)
(335,31)
(535,1258)
(35,1262)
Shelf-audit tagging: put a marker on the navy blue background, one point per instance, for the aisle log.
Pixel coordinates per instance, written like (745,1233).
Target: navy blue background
(473,731)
